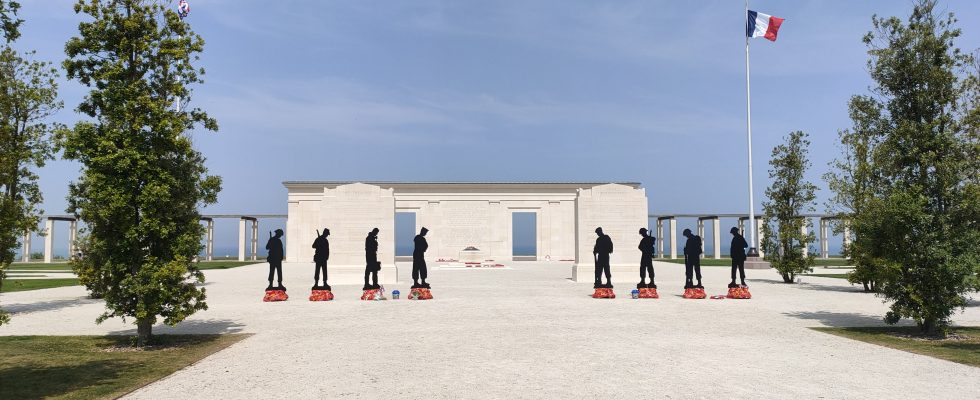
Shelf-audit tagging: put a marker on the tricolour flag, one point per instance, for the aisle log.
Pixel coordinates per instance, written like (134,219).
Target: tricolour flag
(758,24)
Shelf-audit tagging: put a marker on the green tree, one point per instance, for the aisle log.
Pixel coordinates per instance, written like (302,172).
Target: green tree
(28,96)
(787,198)
(924,219)
(142,181)
(854,182)
(9,23)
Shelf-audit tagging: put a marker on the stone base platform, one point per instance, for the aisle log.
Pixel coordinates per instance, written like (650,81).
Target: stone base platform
(275,295)
(694,293)
(741,292)
(604,293)
(373,294)
(321,295)
(648,293)
(420,294)
(756,263)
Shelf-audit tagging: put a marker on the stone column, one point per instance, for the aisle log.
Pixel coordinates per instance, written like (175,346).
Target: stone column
(660,238)
(673,238)
(255,239)
(804,230)
(25,255)
(49,240)
(741,226)
(758,236)
(717,232)
(209,248)
(847,233)
(241,239)
(701,234)
(824,245)
(72,237)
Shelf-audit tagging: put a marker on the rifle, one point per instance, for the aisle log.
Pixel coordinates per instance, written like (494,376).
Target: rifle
(317,232)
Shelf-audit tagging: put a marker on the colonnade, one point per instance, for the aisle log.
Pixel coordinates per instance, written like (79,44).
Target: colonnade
(823,232)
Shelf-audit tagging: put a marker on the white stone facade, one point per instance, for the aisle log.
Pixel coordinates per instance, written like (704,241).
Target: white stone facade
(461,214)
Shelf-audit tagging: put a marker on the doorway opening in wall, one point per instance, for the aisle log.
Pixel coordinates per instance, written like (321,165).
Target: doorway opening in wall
(525,234)
(404,235)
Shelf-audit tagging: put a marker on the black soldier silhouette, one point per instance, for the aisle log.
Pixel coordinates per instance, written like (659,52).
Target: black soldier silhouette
(692,259)
(371,257)
(320,258)
(275,257)
(646,259)
(737,252)
(419,269)
(603,247)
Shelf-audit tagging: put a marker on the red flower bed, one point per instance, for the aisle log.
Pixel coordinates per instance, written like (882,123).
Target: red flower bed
(649,293)
(420,294)
(741,292)
(275,295)
(694,293)
(604,293)
(373,294)
(321,295)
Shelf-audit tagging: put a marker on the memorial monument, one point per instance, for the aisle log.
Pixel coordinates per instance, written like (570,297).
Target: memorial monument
(466,214)
(420,291)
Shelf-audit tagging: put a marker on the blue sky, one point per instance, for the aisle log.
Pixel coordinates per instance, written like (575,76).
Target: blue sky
(648,91)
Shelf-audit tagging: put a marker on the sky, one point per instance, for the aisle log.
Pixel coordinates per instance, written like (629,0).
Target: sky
(566,90)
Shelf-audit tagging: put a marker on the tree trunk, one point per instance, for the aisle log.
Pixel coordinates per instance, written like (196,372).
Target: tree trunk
(144,330)
(867,288)
(930,327)
(787,278)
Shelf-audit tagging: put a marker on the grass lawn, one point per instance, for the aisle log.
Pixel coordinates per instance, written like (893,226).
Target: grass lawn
(962,347)
(87,367)
(727,262)
(224,264)
(60,266)
(19,285)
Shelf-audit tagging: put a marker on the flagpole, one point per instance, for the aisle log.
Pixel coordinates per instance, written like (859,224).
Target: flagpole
(753,249)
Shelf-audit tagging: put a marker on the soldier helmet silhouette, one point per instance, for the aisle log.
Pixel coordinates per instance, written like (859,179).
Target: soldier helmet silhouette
(643,231)
(278,232)
(375,231)
(598,230)
(734,230)
(687,232)
(423,231)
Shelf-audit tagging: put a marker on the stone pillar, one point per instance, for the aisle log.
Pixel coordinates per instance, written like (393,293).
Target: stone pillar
(209,247)
(25,255)
(701,234)
(72,237)
(741,226)
(241,239)
(804,230)
(49,240)
(847,233)
(758,236)
(255,239)
(824,242)
(673,238)
(717,241)
(660,238)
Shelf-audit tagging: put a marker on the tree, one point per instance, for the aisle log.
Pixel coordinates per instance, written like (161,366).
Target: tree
(923,221)
(9,23)
(28,96)
(854,183)
(788,197)
(142,181)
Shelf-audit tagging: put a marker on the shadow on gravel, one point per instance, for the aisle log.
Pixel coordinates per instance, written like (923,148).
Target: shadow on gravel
(839,320)
(48,305)
(210,326)
(812,286)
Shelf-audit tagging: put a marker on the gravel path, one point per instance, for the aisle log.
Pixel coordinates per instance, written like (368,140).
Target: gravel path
(528,332)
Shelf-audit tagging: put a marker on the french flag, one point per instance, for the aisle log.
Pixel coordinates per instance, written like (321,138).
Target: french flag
(758,24)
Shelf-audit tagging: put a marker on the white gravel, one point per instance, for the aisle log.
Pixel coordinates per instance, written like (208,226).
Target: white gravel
(527,332)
